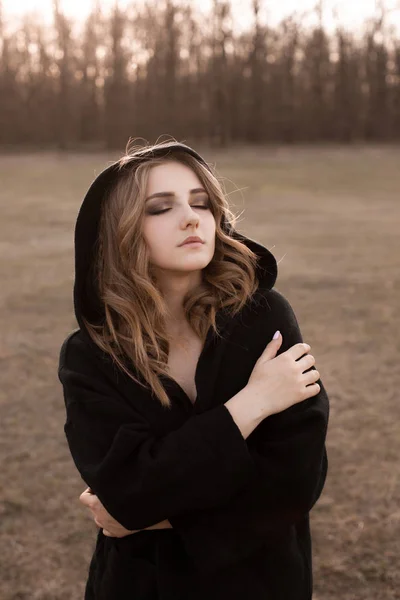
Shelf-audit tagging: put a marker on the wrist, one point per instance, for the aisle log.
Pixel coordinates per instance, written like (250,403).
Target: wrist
(257,401)
(246,410)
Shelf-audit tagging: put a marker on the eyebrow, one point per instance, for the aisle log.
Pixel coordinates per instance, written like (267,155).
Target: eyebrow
(172,194)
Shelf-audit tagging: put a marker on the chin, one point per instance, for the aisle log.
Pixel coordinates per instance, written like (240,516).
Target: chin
(193,266)
(188,265)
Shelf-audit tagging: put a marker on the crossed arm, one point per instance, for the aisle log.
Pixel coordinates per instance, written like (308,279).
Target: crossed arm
(109,525)
(223,495)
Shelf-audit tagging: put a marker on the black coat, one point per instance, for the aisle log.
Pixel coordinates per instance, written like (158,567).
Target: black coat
(239,508)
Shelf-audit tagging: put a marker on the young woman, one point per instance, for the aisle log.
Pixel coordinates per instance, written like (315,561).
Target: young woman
(199,433)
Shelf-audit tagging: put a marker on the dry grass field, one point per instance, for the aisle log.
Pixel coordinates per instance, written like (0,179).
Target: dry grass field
(331,216)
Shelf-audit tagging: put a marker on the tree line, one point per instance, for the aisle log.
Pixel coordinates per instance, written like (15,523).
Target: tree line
(163,68)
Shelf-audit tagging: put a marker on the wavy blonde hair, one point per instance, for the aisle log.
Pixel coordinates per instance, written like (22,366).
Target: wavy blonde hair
(135,311)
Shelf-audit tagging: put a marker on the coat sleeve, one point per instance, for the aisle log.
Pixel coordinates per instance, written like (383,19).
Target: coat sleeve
(139,478)
(288,449)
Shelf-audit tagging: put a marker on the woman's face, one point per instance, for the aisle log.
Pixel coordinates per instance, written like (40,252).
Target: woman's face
(180,209)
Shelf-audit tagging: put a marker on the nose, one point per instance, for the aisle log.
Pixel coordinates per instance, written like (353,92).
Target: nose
(190,217)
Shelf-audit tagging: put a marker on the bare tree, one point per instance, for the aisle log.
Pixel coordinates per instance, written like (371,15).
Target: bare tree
(376,67)
(90,110)
(116,89)
(219,86)
(346,89)
(171,82)
(257,68)
(63,62)
(315,77)
(9,90)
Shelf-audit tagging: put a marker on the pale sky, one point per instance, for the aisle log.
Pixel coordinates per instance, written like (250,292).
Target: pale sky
(349,12)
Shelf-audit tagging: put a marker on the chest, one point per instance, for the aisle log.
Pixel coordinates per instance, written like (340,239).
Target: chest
(182,363)
(222,367)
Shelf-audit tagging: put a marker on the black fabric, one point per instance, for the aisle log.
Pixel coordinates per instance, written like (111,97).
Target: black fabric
(239,508)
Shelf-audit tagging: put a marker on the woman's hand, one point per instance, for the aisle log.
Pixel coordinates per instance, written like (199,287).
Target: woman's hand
(103,519)
(278,382)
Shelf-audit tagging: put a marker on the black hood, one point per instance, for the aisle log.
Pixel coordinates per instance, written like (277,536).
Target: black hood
(86,298)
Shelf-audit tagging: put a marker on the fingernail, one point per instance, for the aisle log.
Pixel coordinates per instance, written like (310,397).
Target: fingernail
(276,335)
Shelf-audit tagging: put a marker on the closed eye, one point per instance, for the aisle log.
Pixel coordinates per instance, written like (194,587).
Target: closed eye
(159,212)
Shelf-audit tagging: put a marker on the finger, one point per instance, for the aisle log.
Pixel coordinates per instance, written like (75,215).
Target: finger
(84,498)
(88,499)
(90,513)
(306,362)
(298,350)
(311,376)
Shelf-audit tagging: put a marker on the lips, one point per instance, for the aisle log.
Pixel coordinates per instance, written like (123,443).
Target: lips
(192,239)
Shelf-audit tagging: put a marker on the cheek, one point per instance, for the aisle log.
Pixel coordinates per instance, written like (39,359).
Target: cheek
(160,243)
(211,229)
(212,224)
(154,235)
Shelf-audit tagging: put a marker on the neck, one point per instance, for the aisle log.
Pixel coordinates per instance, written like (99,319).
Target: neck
(174,289)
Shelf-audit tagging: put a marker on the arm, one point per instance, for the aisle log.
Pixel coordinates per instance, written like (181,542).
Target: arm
(289,451)
(103,519)
(246,416)
(141,480)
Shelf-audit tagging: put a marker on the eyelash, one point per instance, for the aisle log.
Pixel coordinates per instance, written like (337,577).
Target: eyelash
(165,210)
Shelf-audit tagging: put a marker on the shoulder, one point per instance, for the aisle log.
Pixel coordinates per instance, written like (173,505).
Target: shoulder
(269,311)
(70,339)
(77,353)
(272,303)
